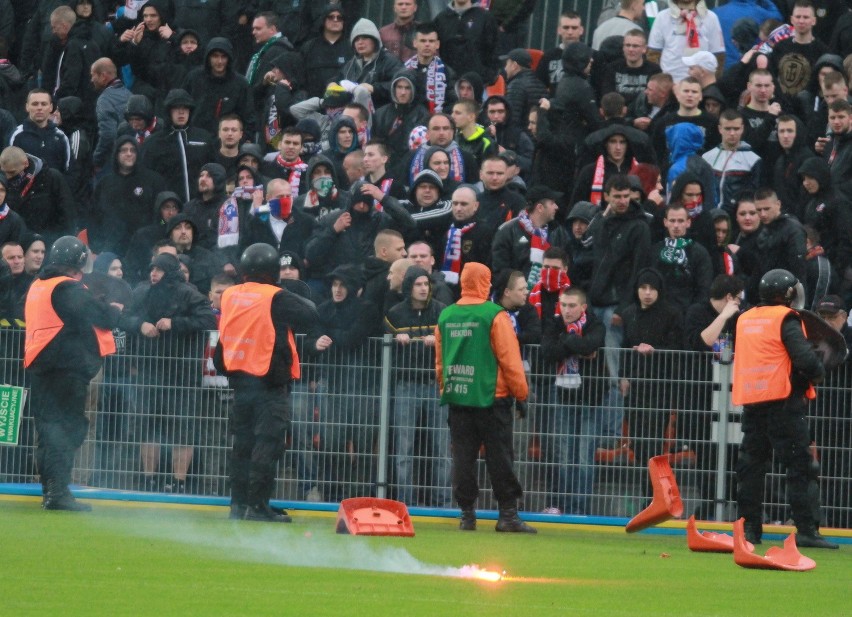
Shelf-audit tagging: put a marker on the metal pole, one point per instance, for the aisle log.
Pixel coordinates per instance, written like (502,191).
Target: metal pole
(384,418)
(723,405)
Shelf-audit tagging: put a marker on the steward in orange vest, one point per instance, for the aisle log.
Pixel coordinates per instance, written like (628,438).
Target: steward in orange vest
(775,368)
(68,332)
(257,351)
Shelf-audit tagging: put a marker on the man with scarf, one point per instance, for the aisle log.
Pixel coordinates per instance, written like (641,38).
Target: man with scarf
(467,239)
(271,43)
(571,342)
(616,157)
(441,133)
(544,296)
(204,209)
(433,77)
(683,264)
(287,163)
(683,29)
(520,243)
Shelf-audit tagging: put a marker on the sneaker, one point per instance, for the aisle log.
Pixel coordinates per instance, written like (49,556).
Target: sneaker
(551,510)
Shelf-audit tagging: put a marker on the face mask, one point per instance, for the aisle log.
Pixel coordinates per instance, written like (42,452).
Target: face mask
(281,207)
(323,186)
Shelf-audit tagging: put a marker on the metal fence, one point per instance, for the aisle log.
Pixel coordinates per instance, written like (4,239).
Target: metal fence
(367,422)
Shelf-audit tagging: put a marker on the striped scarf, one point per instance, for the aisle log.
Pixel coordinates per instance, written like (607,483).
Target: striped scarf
(538,245)
(568,372)
(553,280)
(456,162)
(453,254)
(296,168)
(255,59)
(436,82)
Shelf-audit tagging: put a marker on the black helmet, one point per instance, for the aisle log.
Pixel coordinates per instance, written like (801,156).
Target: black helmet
(68,251)
(778,287)
(259,263)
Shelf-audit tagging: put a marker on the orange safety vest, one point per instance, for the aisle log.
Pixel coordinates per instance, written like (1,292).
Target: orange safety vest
(43,324)
(246,331)
(761,363)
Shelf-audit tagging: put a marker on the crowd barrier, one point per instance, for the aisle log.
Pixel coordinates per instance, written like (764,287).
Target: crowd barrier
(368,422)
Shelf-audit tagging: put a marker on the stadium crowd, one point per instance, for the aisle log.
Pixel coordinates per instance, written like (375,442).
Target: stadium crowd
(628,193)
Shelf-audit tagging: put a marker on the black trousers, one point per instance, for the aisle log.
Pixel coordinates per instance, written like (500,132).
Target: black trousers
(470,427)
(783,429)
(260,422)
(58,401)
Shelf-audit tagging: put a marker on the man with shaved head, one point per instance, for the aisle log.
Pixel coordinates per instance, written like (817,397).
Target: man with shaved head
(109,110)
(467,238)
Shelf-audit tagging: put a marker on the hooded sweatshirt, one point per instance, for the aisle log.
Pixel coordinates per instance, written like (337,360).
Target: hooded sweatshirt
(511,380)
(829,213)
(378,71)
(123,202)
(219,96)
(684,141)
(394,122)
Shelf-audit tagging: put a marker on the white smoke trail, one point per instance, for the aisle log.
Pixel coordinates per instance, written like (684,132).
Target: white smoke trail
(287,545)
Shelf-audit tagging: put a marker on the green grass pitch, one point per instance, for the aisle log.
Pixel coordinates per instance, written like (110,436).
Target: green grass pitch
(163,561)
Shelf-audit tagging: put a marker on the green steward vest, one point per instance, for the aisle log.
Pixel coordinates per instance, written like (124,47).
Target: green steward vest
(469,364)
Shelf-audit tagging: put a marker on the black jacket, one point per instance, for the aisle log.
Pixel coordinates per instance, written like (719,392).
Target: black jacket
(523,91)
(558,345)
(574,111)
(511,246)
(323,61)
(469,41)
(621,250)
(829,213)
(122,204)
(687,272)
(47,206)
(417,323)
(161,152)
(394,121)
(75,347)
(219,96)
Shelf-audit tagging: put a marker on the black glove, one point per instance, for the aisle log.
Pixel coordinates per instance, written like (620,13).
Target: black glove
(520,409)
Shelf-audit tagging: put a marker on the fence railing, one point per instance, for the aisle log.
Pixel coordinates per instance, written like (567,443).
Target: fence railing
(368,421)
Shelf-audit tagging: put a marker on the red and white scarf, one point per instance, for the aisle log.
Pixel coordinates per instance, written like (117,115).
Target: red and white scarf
(297,168)
(596,196)
(568,371)
(456,162)
(538,245)
(453,254)
(553,280)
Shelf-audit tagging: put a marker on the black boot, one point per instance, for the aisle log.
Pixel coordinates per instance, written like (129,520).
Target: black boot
(510,521)
(263,513)
(468,519)
(810,537)
(60,498)
(753,532)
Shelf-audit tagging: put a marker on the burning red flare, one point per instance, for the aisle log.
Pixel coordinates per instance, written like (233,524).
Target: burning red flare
(475,572)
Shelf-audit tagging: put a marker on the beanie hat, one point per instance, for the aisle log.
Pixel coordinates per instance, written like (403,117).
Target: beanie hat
(335,96)
(166,262)
(218,174)
(427,176)
(649,276)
